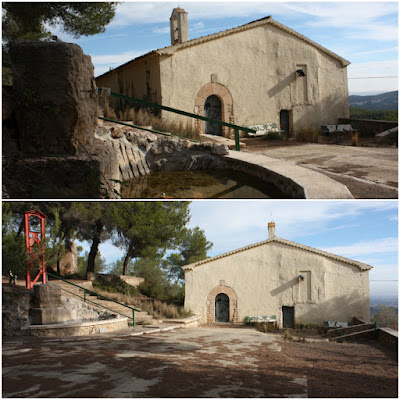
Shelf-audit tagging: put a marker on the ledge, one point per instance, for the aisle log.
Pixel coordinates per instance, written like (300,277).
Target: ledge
(296,181)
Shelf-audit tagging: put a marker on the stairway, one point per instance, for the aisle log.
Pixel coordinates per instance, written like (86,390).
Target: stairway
(141,317)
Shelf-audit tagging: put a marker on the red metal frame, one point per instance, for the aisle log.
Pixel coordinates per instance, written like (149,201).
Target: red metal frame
(35,254)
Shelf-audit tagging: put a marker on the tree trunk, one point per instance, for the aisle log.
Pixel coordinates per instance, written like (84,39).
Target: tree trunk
(127,260)
(90,270)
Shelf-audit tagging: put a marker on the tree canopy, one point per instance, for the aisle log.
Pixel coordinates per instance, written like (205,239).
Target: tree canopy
(146,231)
(139,225)
(28,20)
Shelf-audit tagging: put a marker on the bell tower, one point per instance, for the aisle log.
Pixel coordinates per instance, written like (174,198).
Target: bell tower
(179,26)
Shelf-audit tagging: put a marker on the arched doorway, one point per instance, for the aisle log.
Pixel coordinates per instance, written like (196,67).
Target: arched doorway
(219,91)
(221,308)
(212,109)
(222,305)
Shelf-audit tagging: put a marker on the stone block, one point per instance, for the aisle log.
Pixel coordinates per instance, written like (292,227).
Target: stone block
(51,315)
(48,295)
(54,83)
(69,263)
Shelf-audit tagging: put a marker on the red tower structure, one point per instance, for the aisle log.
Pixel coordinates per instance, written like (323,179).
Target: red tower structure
(35,248)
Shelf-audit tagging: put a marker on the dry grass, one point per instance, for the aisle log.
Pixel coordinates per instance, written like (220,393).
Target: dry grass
(307,135)
(354,139)
(142,117)
(156,308)
(266,327)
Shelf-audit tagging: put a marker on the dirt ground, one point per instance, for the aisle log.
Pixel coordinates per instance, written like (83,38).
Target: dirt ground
(368,172)
(209,361)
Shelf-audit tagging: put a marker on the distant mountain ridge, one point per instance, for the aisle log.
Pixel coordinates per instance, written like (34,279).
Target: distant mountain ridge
(383,101)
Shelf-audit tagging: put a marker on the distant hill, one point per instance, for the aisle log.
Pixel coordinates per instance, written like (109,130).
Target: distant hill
(383,101)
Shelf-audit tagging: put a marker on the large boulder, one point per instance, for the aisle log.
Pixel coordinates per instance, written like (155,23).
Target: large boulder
(54,85)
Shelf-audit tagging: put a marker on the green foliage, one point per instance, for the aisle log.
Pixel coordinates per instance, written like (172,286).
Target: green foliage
(193,247)
(113,284)
(116,267)
(139,225)
(27,20)
(100,263)
(385,317)
(13,245)
(382,115)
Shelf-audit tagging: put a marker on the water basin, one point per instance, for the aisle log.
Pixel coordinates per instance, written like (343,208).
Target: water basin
(204,184)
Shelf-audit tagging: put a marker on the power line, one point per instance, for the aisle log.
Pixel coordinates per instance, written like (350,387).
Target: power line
(383,280)
(375,77)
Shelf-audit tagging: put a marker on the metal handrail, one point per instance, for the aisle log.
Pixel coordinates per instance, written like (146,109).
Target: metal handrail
(143,128)
(237,128)
(96,294)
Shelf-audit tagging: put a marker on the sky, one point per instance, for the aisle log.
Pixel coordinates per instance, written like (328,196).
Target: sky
(365,231)
(364,33)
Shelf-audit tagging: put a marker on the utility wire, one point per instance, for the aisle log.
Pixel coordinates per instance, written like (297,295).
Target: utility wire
(375,77)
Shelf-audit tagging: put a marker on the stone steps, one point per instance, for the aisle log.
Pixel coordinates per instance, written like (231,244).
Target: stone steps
(141,317)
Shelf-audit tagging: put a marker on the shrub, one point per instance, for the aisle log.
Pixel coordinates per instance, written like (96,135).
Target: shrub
(266,327)
(114,284)
(307,135)
(288,334)
(354,139)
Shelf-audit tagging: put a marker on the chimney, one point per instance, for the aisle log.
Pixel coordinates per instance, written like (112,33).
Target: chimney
(271,230)
(179,26)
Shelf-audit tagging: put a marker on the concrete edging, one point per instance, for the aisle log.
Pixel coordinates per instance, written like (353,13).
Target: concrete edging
(79,329)
(294,180)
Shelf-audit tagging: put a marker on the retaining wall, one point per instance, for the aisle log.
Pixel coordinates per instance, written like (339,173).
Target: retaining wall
(368,126)
(389,338)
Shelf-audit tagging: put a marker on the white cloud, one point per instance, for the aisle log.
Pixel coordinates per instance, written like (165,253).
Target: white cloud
(378,246)
(117,59)
(102,63)
(164,30)
(322,14)
(234,224)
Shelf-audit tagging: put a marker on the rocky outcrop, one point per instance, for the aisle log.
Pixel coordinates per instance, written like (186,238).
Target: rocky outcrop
(53,83)
(136,153)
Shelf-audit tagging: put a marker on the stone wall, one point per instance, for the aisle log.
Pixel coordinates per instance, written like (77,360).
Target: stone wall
(123,154)
(16,302)
(367,126)
(389,338)
(24,309)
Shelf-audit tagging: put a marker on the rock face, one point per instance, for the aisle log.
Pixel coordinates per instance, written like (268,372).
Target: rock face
(69,263)
(15,308)
(136,153)
(56,95)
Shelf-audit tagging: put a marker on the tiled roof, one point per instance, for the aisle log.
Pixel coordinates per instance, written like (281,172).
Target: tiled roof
(170,50)
(358,264)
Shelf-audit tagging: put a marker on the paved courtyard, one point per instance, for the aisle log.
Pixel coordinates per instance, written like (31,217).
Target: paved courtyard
(368,172)
(198,362)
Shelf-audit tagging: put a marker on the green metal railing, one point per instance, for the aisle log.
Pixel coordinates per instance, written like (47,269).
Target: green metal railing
(91,292)
(143,128)
(236,128)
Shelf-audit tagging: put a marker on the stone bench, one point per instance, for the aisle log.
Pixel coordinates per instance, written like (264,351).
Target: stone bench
(263,130)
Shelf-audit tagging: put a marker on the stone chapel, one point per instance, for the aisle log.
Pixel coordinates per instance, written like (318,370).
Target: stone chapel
(259,73)
(280,279)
